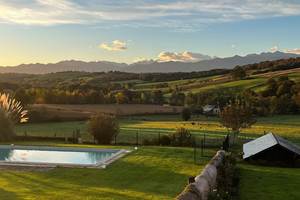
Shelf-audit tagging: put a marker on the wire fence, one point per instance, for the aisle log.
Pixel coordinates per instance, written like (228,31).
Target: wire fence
(133,136)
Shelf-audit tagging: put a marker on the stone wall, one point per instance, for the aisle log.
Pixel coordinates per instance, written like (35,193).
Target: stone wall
(205,182)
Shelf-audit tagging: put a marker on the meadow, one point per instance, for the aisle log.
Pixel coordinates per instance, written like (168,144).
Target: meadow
(287,126)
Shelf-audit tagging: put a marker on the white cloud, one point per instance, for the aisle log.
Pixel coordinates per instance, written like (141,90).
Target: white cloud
(181,57)
(178,14)
(116,45)
(274,49)
(294,51)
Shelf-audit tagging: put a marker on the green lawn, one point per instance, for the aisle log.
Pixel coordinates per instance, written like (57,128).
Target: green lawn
(148,173)
(269,183)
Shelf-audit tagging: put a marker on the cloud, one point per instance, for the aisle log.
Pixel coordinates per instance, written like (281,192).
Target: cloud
(294,51)
(274,49)
(116,45)
(183,15)
(182,57)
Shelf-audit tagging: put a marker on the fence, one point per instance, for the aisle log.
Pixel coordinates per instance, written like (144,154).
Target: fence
(130,136)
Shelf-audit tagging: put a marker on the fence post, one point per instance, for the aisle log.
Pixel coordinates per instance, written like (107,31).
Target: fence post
(159,138)
(116,139)
(204,140)
(202,146)
(195,149)
(137,138)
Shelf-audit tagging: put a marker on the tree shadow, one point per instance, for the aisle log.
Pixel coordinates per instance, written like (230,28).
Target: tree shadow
(4,194)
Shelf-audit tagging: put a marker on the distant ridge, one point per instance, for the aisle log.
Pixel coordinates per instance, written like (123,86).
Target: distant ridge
(147,67)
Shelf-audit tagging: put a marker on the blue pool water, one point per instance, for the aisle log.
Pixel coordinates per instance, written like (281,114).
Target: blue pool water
(53,156)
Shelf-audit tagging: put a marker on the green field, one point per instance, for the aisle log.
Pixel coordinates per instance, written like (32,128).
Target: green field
(149,173)
(287,126)
(255,82)
(271,183)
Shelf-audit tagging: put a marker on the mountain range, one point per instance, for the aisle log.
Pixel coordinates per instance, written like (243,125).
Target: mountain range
(148,66)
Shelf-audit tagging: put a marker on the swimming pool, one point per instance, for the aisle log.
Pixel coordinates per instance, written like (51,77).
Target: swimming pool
(58,156)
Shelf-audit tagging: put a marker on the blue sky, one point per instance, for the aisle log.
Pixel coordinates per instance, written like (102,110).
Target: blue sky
(131,30)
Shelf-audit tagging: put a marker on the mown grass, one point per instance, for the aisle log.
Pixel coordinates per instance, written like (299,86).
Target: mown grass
(149,173)
(271,183)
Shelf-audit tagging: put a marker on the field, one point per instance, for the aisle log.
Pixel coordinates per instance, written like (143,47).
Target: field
(65,112)
(287,126)
(149,173)
(270,183)
(256,82)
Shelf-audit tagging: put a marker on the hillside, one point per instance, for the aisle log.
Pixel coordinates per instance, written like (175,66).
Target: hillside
(280,95)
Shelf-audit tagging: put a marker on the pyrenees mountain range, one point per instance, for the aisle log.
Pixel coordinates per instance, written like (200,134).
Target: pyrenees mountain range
(147,66)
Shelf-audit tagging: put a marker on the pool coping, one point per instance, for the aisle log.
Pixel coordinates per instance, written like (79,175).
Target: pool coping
(99,165)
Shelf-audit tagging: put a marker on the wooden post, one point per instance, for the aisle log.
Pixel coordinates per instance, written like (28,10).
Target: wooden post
(158,137)
(202,145)
(137,138)
(204,140)
(195,150)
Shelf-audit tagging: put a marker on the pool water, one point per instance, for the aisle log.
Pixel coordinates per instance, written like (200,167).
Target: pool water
(53,156)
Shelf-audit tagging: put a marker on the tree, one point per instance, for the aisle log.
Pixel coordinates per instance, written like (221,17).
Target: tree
(121,98)
(236,116)
(186,114)
(238,73)
(103,127)
(157,97)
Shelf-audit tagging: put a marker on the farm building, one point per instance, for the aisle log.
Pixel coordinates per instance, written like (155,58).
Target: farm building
(273,149)
(211,110)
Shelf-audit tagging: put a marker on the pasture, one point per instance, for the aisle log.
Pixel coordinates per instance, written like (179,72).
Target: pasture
(72,112)
(287,126)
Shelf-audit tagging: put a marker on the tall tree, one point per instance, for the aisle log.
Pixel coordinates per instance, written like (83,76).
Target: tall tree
(236,116)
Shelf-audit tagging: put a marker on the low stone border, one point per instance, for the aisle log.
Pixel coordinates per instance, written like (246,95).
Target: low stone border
(205,182)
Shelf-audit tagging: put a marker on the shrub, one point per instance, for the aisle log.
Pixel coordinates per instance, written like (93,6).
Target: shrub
(186,114)
(103,127)
(6,127)
(11,112)
(13,108)
(165,140)
(182,137)
(227,180)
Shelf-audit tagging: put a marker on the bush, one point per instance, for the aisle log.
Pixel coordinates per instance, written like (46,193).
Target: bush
(182,137)
(103,127)
(227,180)
(165,140)
(186,114)
(6,127)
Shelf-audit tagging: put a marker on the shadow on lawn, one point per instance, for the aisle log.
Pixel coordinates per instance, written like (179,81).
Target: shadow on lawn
(4,194)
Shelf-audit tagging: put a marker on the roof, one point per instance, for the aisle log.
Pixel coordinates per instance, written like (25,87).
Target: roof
(208,108)
(265,142)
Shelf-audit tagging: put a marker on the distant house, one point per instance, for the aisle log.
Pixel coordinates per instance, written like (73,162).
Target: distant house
(273,149)
(211,110)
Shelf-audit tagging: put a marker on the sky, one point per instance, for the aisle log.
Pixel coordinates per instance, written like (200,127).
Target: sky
(48,31)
